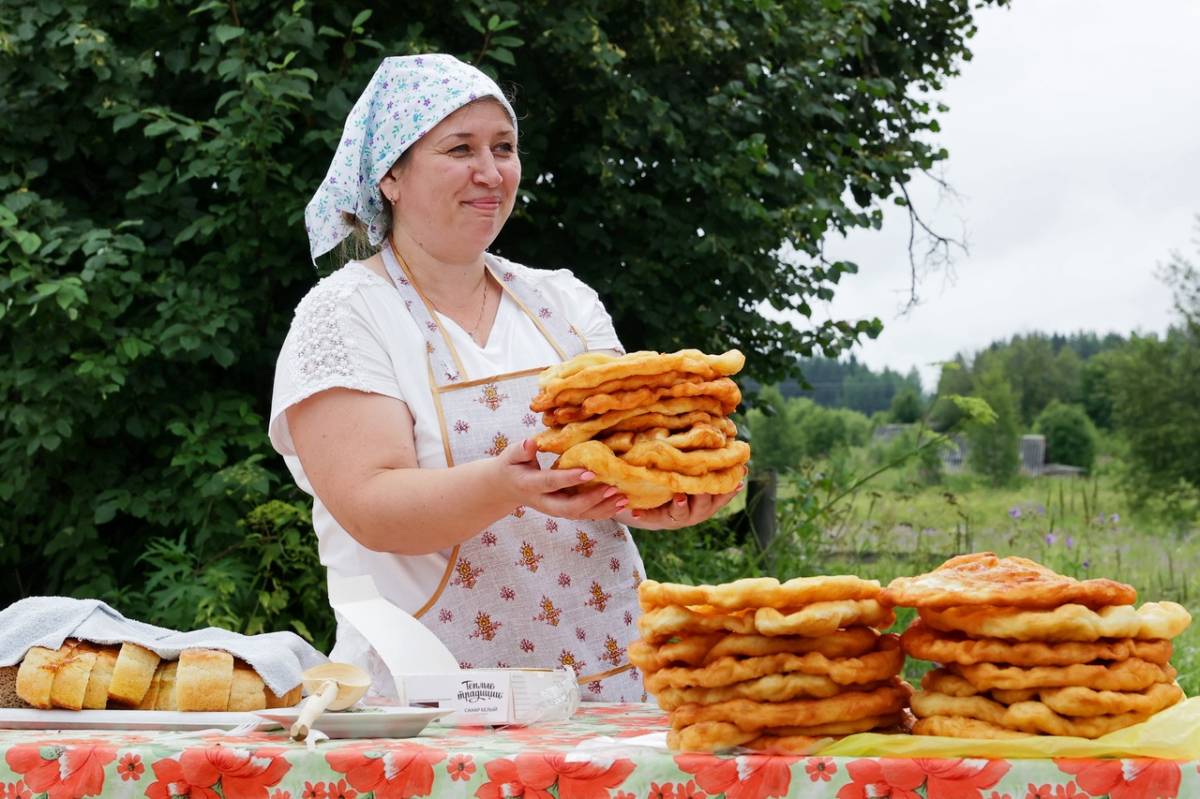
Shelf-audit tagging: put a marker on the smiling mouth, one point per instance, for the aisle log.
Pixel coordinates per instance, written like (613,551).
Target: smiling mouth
(484,204)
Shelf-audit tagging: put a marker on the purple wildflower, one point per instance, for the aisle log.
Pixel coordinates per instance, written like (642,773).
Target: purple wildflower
(1050,539)
(1086,564)
(1014,512)
(1116,517)
(1070,542)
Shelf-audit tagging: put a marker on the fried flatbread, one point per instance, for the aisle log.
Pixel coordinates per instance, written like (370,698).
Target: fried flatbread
(560,439)
(754,716)
(708,736)
(822,618)
(982,578)
(590,370)
(962,727)
(1124,675)
(1034,717)
(758,592)
(881,664)
(576,396)
(770,688)
(922,641)
(1065,623)
(723,390)
(695,650)
(648,488)
(699,436)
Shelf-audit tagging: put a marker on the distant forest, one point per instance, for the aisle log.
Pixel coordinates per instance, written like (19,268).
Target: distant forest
(1041,366)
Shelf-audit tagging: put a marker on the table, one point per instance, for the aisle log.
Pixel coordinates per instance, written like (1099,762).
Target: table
(602,752)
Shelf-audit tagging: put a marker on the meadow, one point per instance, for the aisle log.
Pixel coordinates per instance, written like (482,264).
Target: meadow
(896,525)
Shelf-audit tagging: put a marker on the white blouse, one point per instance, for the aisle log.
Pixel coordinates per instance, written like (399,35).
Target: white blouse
(353,331)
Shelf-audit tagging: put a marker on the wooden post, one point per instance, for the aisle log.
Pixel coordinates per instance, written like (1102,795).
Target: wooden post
(760,506)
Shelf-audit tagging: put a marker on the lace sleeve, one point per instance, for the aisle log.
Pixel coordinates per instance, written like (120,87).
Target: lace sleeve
(334,342)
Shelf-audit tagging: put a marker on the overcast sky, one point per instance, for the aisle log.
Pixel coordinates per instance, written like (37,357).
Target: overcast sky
(1074,139)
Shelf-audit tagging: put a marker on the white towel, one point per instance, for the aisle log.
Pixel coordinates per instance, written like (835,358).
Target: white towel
(279,657)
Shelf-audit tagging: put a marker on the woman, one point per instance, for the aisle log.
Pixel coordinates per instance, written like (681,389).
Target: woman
(402,394)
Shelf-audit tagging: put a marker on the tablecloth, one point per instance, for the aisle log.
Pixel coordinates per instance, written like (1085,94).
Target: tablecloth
(601,752)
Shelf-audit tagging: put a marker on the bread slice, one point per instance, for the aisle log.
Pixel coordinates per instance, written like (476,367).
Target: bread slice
(166,686)
(289,699)
(132,674)
(35,677)
(151,695)
(247,691)
(203,679)
(71,679)
(95,696)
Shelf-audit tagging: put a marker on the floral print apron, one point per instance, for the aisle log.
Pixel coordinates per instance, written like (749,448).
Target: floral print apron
(531,590)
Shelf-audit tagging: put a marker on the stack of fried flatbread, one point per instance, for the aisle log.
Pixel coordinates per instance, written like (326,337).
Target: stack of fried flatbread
(1026,651)
(80,675)
(768,665)
(650,424)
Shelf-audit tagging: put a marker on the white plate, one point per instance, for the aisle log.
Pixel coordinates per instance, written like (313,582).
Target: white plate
(24,718)
(364,722)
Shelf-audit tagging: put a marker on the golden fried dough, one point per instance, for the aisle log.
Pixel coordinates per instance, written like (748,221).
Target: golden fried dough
(699,436)
(822,618)
(769,688)
(697,462)
(1123,675)
(847,643)
(885,662)
(724,390)
(748,715)
(922,641)
(679,421)
(708,736)
(841,727)
(982,578)
(786,744)
(674,619)
(962,727)
(561,439)
(942,681)
(576,396)
(697,649)
(688,650)
(1070,622)
(757,592)
(596,371)
(1032,717)
(645,487)
(1080,701)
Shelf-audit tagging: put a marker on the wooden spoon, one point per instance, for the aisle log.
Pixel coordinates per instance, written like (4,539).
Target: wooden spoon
(330,686)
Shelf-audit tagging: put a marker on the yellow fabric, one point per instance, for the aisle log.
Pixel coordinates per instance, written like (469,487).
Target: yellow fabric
(1172,734)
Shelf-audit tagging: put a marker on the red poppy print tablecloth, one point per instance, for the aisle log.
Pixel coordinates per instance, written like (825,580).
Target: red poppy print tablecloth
(602,752)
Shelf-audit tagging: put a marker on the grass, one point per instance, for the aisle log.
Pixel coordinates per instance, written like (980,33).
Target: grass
(893,526)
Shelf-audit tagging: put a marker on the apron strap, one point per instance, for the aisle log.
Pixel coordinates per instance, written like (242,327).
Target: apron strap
(444,362)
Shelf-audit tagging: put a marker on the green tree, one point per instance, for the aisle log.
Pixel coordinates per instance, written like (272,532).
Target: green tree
(1070,435)
(156,156)
(954,380)
(1095,389)
(775,437)
(994,449)
(906,407)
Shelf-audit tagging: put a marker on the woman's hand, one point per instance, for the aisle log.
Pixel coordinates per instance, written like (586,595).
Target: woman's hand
(523,479)
(682,511)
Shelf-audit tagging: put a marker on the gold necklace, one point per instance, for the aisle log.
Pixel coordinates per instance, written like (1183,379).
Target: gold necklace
(409,272)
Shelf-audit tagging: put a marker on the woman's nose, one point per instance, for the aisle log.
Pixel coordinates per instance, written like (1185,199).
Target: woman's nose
(486,171)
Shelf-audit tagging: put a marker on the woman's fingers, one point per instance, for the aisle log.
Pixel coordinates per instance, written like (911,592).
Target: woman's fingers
(597,502)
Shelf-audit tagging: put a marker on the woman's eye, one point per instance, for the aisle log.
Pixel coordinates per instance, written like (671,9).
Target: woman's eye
(508,148)
(461,149)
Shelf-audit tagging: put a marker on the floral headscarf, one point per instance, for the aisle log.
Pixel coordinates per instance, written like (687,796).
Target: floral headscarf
(405,99)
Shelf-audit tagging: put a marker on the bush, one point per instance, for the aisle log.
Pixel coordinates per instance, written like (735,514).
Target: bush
(1070,435)
(907,407)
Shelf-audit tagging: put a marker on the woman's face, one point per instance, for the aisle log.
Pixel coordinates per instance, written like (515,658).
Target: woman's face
(457,185)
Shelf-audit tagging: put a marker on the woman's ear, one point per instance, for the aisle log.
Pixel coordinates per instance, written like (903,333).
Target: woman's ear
(390,187)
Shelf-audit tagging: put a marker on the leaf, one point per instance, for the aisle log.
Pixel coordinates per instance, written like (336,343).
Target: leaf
(503,56)
(158,128)
(493,21)
(333,33)
(361,17)
(507,41)
(227,33)
(123,121)
(473,20)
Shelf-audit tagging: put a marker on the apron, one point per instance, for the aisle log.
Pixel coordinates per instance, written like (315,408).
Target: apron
(531,590)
